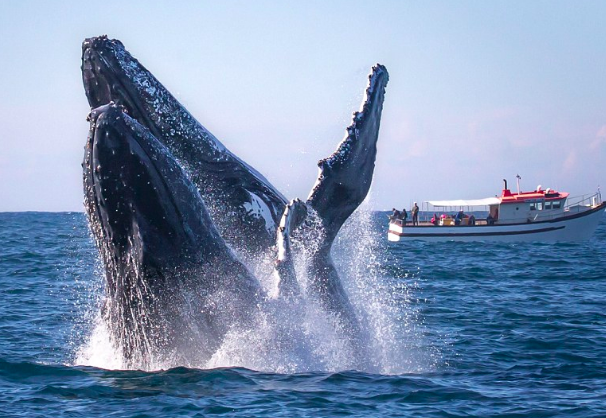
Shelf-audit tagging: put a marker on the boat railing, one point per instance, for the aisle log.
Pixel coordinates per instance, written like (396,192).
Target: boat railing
(583,202)
(398,222)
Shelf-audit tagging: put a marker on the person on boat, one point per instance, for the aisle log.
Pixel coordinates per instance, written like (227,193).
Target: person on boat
(404,216)
(490,219)
(415,214)
(435,219)
(472,220)
(459,217)
(395,215)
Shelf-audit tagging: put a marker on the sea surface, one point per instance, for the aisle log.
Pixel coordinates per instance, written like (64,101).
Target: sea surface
(460,330)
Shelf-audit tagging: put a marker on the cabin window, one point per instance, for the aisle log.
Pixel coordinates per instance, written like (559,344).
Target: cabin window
(532,206)
(547,205)
(557,204)
(539,205)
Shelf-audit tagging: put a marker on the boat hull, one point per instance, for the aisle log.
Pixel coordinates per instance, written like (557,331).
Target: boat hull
(575,227)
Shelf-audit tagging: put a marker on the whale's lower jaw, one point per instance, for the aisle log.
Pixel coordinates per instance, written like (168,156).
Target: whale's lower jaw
(173,287)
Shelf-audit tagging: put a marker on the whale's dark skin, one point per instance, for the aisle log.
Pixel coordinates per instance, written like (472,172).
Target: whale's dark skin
(234,193)
(343,183)
(345,177)
(161,251)
(165,240)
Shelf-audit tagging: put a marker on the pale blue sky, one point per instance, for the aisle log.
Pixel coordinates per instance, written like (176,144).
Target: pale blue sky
(478,90)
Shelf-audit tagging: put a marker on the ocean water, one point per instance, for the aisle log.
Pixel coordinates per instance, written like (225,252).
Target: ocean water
(457,330)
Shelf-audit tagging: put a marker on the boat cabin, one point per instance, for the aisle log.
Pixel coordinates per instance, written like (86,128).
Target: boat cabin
(538,205)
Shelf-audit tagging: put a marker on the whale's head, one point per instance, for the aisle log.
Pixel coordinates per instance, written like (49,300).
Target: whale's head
(143,205)
(148,220)
(228,185)
(111,73)
(159,246)
(105,66)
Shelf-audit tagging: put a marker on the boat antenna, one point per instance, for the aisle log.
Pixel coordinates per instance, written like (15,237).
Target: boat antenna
(518,181)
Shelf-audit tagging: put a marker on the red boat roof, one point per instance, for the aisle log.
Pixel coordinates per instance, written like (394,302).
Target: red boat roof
(508,197)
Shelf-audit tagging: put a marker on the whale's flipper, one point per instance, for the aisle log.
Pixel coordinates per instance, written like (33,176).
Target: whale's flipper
(173,287)
(346,175)
(342,185)
(294,214)
(243,204)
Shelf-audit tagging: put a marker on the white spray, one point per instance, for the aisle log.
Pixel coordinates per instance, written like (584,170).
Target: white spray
(296,335)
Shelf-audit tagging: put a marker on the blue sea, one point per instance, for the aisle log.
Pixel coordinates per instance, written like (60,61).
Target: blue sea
(460,330)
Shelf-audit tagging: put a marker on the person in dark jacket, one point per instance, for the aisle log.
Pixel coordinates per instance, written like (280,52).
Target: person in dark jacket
(459,217)
(415,214)
(395,215)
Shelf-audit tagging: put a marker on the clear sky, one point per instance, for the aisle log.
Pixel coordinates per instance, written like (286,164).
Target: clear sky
(478,91)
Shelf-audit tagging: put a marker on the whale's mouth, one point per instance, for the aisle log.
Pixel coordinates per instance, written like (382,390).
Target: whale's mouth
(105,81)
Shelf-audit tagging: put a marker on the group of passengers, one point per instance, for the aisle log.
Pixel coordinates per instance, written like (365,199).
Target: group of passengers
(402,216)
(460,217)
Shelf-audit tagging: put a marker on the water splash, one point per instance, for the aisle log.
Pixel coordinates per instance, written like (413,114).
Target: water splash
(297,335)
(393,327)
(99,350)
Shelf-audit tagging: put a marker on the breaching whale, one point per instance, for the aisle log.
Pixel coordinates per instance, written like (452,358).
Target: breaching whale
(202,201)
(173,286)
(242,203)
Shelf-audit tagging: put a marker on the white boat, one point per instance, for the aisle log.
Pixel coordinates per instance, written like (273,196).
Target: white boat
(539,215)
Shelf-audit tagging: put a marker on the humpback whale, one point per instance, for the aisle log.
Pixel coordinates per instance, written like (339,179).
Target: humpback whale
(242,203)
(173,286)
(178,218)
